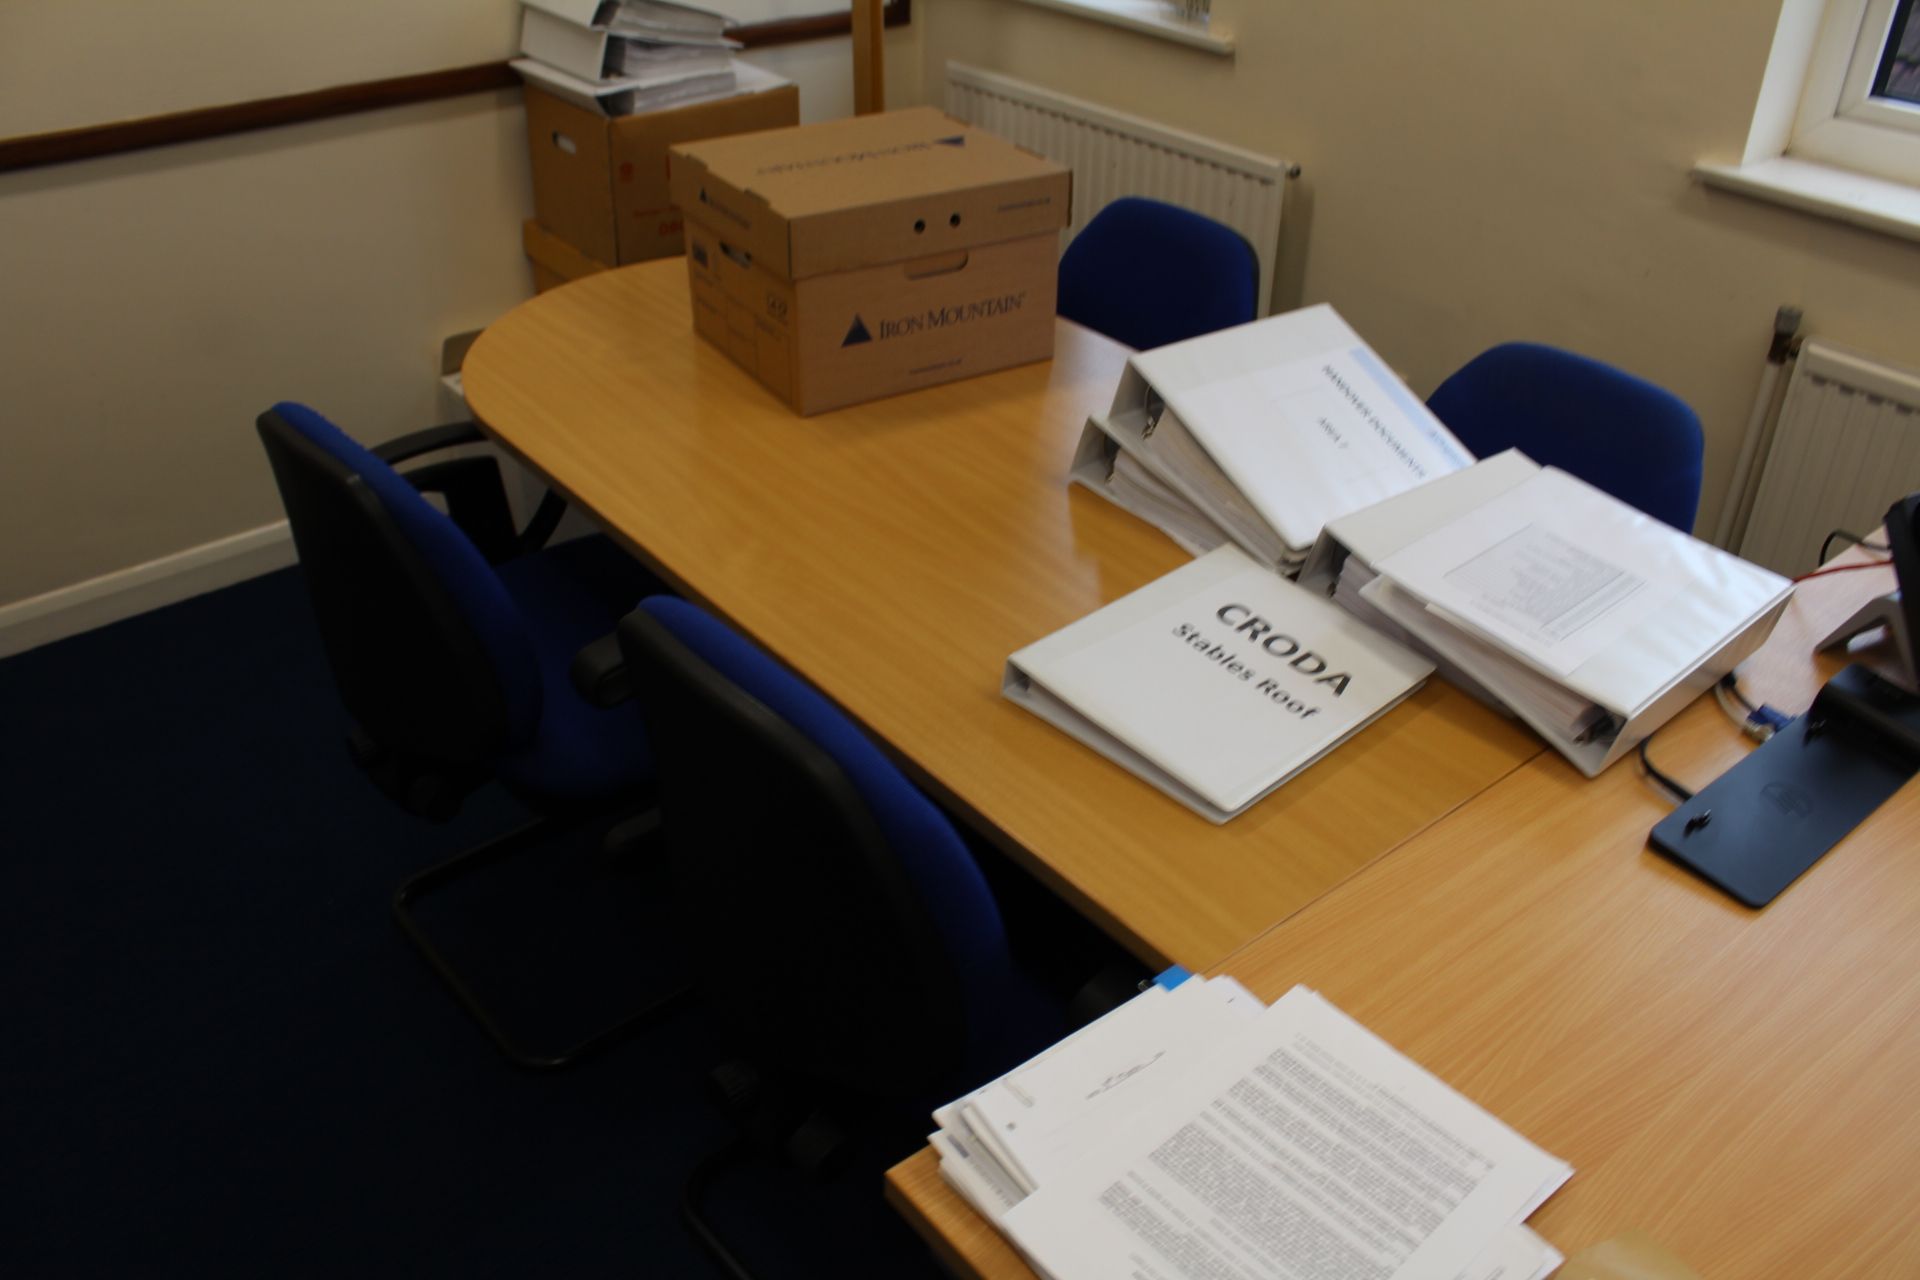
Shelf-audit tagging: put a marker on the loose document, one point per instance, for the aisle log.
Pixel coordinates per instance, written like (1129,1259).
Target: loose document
(1193,1135)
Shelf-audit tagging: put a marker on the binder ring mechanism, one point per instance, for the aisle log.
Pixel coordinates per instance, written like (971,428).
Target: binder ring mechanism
(1155,407)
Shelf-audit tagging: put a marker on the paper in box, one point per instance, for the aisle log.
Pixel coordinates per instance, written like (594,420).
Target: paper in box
(855,259)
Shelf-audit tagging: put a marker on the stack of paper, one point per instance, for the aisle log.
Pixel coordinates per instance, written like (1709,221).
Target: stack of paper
(627,56)
(1193,1133)
(1216,683)
(1261,434)
(1589,620)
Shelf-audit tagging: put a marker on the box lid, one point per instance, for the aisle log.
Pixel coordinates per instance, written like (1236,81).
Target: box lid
(867,190)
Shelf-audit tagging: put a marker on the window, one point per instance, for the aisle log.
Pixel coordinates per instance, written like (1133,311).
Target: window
(1836,131)
(1181,21)
(1860,107)
(1899,74)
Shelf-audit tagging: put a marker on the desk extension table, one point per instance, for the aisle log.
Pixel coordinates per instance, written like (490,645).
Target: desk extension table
(894,553)
(1739,1084)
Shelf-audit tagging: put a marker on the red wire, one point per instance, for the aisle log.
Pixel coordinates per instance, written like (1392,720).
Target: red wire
(1844,568)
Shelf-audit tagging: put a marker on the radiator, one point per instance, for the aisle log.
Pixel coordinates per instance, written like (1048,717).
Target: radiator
(1113,154)
(1845,446)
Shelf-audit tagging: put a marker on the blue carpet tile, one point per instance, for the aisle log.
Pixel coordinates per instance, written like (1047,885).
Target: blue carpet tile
(222,1058)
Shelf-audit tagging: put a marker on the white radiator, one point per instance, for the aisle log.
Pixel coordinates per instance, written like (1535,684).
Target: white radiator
(1113,154)
(1846,445)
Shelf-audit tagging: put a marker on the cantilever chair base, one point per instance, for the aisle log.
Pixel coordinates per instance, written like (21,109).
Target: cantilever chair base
(528,838)
(773,1122)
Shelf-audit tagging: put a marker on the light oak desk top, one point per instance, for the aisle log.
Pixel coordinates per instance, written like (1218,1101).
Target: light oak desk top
(895,553)
(1740,1084)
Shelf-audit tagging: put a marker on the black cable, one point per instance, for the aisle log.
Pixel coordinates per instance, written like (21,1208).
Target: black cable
(1672,787)
(1853,539)
(1731,683)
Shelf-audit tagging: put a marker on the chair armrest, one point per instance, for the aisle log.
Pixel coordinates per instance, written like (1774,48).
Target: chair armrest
(545,519)
(599,673)
(416,443)
(476,497)
(476,501)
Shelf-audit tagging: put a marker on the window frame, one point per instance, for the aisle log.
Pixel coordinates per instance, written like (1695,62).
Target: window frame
(1839,122)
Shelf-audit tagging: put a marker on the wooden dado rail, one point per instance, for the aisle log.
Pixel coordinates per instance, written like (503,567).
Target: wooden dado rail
(93,141)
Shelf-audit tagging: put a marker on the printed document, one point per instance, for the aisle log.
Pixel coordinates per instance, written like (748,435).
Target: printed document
(1216,682)
(1307,1149)
(1034,1116)
(1552,569)
(1316,438)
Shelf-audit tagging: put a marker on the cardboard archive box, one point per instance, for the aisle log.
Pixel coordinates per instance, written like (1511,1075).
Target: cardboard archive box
(600,182)
(855,259)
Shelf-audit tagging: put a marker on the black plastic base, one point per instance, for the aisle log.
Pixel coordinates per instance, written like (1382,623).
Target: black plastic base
(1754,830)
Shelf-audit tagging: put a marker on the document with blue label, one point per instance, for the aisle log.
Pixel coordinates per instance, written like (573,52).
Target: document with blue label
(1260,434)
(1304,1147)
(1215,683)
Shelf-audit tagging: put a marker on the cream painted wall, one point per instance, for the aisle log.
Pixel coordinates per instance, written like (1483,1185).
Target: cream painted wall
(156,302)
(152,304)
(1485,170)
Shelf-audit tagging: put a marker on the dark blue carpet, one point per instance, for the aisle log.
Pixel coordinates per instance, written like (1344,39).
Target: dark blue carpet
(220,1057)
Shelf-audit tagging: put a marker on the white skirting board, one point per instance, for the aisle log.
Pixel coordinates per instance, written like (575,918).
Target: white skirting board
(122,594)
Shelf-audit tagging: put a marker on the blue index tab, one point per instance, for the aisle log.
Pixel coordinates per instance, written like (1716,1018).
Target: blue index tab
(1418,414)
(1171,976)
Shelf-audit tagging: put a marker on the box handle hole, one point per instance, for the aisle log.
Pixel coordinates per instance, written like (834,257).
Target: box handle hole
(740,256)
(944,265)
(565,144)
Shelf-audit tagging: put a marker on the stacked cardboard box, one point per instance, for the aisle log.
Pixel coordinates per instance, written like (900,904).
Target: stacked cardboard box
(599,153)
(854,259)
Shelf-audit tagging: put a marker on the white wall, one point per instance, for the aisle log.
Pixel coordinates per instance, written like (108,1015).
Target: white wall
(1474,171)
(1484,170)
(152,304)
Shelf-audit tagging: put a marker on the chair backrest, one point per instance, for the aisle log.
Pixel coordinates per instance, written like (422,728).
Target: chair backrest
(430,655)
(1147,273)
(847,931)
(1621,434)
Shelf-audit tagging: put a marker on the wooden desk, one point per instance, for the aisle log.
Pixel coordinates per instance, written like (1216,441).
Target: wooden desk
(1738,1083)
(895,553)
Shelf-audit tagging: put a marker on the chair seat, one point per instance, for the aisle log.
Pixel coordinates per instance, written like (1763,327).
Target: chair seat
(569,595)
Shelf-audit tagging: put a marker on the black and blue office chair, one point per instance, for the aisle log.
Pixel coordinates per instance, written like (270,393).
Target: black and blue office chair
(1620,434)
(856,949)
(450,638)
(1147,273)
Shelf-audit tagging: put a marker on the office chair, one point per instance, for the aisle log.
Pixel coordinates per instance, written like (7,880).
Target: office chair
(1619,433)
(1147,273)
(856,947)
(449,638)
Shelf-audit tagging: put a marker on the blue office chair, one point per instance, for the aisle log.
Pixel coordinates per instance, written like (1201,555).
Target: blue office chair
(1619,433)
(450,639)
(856,948)
(1147,273)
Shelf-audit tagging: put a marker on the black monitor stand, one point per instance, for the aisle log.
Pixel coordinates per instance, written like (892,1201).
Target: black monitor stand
(1757,827)
(1886,614)
(1760,824)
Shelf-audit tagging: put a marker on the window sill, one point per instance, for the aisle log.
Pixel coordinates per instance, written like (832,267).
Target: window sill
(1892,208)
(1148,17)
